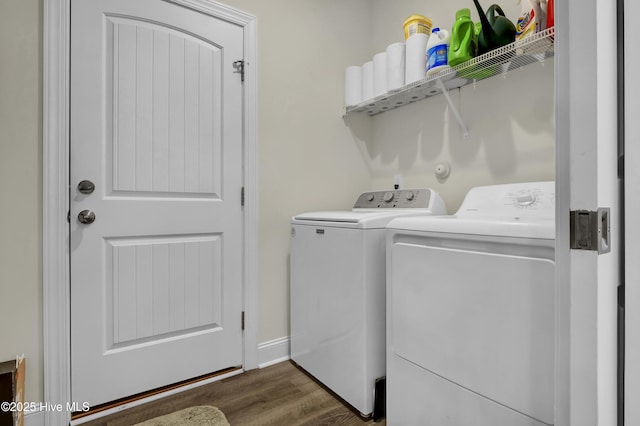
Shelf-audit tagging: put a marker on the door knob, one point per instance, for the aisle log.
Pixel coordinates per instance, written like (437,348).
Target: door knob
(86,217)
(86,187)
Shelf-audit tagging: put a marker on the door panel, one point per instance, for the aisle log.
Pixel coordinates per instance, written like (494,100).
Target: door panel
(157,278)
(162,286)
(167,97)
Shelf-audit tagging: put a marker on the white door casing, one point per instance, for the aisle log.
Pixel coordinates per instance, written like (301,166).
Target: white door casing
(632,206)
(586,178)
(56,196)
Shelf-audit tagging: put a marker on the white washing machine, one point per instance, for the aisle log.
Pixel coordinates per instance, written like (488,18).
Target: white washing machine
(470,312)
(338,290)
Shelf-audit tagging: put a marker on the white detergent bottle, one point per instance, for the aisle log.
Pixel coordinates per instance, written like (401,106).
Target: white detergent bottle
(438,50)
(532,19)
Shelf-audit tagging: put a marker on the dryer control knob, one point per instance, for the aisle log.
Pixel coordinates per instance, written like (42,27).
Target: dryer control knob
(410,196)
(370,197)
(526,200)
(388,197)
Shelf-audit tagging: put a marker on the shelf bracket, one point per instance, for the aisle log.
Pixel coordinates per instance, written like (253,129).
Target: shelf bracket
(454,109)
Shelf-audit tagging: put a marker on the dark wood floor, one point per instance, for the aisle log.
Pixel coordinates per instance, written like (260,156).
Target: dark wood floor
(279,395)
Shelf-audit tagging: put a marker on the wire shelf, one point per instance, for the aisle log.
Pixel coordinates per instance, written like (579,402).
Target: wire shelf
(532,49)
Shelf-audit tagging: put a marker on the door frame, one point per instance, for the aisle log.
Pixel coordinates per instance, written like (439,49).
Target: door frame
(586,178)
(55,204)
(632,228)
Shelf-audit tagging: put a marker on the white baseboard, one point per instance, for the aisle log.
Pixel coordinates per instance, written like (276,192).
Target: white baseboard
(273,352)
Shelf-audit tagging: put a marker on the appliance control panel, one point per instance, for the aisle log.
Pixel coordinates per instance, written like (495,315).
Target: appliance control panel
(398,198)
(532,198)
(528,199)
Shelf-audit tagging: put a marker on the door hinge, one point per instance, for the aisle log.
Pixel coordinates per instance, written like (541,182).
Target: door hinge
(242,321)
(242,197)
(591,230)
(239,67)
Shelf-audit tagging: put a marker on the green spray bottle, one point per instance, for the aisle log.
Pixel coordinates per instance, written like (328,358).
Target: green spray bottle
(464,43)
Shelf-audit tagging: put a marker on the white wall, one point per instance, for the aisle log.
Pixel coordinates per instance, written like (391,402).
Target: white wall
(510,120)
(388,17)
(307,159)
(21,187)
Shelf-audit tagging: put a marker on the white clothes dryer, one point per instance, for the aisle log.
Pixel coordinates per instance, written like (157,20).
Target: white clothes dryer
(338,290)
(470,312)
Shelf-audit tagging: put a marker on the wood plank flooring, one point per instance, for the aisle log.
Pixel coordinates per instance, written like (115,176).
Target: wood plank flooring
(279,395)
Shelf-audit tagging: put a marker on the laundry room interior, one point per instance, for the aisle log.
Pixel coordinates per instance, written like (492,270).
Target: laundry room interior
(311,153)
(312,157)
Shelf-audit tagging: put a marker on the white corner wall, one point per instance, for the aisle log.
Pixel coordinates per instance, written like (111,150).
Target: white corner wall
(307,159)
(510,120)
(21,188)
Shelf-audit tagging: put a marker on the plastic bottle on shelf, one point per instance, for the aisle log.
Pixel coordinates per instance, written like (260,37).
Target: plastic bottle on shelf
(416,24)
(532,18)
(464,43)
(438,51)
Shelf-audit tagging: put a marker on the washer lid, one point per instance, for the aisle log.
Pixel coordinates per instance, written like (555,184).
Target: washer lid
(376,209)
(357,218)
(336,216)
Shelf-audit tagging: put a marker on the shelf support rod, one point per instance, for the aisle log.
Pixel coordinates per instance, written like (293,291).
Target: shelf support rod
(454,109)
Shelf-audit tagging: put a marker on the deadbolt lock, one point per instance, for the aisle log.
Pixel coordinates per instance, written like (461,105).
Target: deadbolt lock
(86,187)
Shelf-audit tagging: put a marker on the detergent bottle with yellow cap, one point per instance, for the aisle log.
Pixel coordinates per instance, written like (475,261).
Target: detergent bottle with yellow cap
(417,24)
(464,42)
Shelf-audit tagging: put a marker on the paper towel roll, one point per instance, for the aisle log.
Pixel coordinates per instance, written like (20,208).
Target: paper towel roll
(416,58)
(367,80)
(395,66)
(352,85)
(380,74)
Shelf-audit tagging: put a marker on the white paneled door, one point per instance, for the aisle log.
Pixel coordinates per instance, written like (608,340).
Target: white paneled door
(156,246)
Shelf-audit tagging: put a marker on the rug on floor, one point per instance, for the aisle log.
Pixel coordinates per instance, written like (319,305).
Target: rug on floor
(204,415)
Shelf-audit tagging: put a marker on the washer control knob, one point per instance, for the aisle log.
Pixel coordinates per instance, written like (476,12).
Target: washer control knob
(410,196)
(370,197)
(388,197)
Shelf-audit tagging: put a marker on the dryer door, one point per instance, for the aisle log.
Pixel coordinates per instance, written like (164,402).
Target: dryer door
(480,316)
